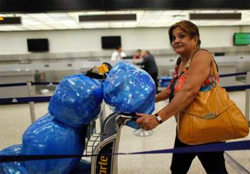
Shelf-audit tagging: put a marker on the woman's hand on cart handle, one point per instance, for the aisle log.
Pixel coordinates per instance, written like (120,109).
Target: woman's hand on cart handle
(147,121)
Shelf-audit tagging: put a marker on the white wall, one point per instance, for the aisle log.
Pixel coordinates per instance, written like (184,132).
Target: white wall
(217,36)
(90,40)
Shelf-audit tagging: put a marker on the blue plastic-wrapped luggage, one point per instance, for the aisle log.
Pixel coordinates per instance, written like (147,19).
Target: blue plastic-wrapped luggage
(129,89)
(12,167)
(48,136)
(77,100)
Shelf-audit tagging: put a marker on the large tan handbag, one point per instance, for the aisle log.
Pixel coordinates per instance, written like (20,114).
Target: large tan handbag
(211,117)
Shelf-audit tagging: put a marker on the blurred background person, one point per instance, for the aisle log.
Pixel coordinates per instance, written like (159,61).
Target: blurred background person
(138,54)
(148,64)
(118,54)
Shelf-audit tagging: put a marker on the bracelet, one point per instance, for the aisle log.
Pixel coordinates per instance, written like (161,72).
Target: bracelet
(158,118)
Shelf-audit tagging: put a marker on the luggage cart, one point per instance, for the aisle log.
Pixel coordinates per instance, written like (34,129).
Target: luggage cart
(103,162)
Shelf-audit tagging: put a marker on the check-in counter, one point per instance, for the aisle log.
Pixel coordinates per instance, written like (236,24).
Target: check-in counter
(8,77)
(248,99)
(55,70)
(227,68)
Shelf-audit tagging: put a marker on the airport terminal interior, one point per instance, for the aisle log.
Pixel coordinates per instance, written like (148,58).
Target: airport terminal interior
(43,42)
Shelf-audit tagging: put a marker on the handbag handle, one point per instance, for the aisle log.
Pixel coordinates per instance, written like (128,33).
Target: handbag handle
(214,71)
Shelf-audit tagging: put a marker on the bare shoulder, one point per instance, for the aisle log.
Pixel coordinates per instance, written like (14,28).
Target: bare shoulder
(201,56)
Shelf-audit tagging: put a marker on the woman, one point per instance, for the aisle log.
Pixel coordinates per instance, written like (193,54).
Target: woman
(192,74)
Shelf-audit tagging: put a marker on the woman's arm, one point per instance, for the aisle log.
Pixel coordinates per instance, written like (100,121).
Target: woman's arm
(199,70)
(163,95)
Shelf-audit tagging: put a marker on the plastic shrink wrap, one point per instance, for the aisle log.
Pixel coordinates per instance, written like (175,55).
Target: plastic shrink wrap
(48,136)
(129,89)
(77,100)
(12,167)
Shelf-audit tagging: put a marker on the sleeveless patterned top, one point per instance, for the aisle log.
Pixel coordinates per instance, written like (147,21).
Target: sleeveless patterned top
(181,78)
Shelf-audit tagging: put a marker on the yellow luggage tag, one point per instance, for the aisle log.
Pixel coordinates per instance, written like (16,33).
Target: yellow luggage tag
(103,69)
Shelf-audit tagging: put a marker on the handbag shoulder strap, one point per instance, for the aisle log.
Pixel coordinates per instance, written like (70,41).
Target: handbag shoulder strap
(214,67)
(171,95)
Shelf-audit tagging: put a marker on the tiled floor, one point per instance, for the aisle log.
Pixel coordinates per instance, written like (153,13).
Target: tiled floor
(14,119)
